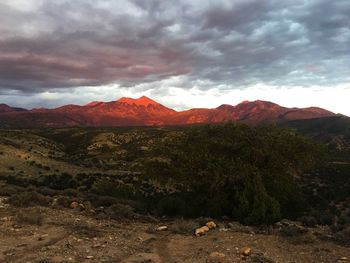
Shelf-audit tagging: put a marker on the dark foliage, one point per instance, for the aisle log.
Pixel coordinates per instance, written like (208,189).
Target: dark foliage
(236,170)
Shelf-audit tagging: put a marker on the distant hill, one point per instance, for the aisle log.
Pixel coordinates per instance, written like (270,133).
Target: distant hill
(145,112)
(5,109)
(334,130)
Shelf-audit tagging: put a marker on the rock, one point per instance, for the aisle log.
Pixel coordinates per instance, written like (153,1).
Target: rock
(343,259)
(54,202)
(96,246)
(217,255)
(89,257)
(82,207)
(162,228)
(245,251)
(211,225)
(74,205)
(201,231)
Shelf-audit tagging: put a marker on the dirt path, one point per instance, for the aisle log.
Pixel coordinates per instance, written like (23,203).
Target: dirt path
(162,248)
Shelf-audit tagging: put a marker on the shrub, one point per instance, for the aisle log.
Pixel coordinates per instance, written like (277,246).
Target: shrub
(182,226)
(63,201)
(25,199)
(297,234)
(308,221)
(105,201)
(8,190)
(293,230)
(343,237)
(118,211)
(58,182)
(108,187)
(29,216)
(171,206)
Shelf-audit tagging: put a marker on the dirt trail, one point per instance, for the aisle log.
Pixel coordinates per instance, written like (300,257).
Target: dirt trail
(163,249)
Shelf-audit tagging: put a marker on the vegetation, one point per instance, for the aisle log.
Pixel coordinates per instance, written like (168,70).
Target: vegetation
(30,216)
(236,170)
(252,174)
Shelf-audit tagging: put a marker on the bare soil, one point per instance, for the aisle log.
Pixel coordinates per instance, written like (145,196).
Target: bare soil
(69,235)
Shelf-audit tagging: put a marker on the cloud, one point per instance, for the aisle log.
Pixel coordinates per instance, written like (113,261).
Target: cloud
(59,46)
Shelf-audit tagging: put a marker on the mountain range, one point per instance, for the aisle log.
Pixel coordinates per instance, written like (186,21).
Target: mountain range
(145,111)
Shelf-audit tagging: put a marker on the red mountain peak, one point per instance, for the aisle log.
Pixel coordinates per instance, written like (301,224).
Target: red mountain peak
(142,101)
(93,103)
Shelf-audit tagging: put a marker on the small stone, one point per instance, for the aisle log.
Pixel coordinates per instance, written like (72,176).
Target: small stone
(211,225)
(89,257)
(201,231)
(162,228)
(245,251)
(96,246)
(74,205)
(217,255)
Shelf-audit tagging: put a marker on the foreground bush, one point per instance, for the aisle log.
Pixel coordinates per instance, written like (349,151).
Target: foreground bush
(236,170)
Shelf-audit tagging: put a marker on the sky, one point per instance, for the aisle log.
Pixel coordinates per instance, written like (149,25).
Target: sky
(184,54)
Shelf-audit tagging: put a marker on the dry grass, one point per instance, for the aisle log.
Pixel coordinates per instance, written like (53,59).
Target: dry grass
(26,199)
(183,226)
(31,216)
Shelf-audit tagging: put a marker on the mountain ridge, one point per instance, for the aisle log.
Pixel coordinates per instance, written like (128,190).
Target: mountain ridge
(144,111)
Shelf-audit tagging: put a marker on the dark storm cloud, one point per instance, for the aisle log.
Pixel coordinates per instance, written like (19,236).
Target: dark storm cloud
(63,44)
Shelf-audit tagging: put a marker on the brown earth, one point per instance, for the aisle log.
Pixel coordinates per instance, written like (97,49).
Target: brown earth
(68,235)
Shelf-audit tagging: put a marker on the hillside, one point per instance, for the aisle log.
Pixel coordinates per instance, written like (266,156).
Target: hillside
(334,131)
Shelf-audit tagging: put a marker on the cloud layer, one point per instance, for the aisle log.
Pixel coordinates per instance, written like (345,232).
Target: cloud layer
(56,46)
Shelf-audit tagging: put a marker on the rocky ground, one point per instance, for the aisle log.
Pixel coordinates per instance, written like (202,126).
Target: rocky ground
(47,234)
